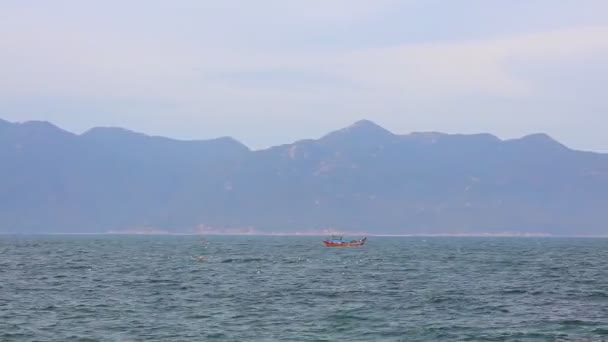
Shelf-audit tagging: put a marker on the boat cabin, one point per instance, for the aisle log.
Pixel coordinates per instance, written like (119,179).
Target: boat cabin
(336,239)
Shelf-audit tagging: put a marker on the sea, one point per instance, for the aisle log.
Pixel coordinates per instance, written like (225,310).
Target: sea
(292,288)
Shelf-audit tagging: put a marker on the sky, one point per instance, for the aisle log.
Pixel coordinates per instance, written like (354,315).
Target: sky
(269,72)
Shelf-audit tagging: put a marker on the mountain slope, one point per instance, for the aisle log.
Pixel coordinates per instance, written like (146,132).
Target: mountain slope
(360,178)
(103,179)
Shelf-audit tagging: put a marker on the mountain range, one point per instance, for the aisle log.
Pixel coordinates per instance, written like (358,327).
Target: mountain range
(359,179)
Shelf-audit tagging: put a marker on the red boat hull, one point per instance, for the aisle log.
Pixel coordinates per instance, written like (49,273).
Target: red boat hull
(344,244)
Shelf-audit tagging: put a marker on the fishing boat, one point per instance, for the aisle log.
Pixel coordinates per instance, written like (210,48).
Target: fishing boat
(337,241)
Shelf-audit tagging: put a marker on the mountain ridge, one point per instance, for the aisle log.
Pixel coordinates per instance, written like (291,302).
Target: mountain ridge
(365,124)
(359,178)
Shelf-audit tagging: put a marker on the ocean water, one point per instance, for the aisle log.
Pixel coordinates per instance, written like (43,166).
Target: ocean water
(153,288)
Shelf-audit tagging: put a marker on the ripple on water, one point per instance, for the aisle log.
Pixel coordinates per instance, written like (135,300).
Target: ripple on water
(118,288)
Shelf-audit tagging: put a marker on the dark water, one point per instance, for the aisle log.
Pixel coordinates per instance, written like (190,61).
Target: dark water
(151,288)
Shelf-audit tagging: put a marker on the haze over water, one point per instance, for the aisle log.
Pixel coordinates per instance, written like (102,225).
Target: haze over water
(152,288)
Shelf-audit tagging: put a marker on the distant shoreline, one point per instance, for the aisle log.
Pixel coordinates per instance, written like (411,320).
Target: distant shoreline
(480,235)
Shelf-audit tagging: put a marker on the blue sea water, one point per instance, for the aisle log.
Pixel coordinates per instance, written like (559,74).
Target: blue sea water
(154,288)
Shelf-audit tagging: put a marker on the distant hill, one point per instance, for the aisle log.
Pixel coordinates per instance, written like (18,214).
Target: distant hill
(362,178)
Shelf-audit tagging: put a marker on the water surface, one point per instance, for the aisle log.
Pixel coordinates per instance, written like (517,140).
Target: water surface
(152,288)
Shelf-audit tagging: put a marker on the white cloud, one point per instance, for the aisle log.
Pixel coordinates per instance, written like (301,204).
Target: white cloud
(67,61)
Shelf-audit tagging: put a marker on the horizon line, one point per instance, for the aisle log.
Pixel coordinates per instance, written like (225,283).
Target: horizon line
(476,235)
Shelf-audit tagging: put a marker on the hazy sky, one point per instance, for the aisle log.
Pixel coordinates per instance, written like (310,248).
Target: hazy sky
(272,71)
